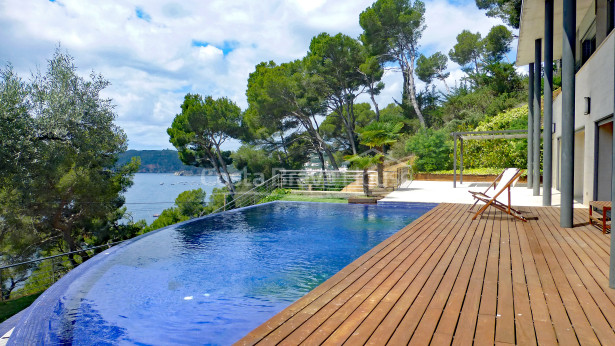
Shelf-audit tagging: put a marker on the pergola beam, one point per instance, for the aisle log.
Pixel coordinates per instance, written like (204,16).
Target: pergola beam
(478,135)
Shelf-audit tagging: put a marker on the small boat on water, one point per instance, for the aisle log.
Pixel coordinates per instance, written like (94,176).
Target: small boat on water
(156,215)
(161,183)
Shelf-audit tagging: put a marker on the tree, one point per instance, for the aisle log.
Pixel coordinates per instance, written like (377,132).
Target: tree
(428,68)
(63,180)
(288,92)
(372,72)
(392,29)
(378,135)
(508,10)
(15,123)
(199,131)
(498,43)
(468,50)
(336,60)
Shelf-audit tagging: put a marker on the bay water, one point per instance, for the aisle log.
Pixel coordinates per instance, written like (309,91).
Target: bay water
(151,193)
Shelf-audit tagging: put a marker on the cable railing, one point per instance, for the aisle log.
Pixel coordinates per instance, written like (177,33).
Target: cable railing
(29,277)
(253,196)
(340,181)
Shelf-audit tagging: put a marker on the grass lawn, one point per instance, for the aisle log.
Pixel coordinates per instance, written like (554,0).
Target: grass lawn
(11,307)
(304,198)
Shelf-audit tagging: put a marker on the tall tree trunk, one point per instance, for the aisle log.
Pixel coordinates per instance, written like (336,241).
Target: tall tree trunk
(409,73)
(351,140)
(324,146)
(229,182)
(380,168)
(284,147)
(372,96)
(214,163)
(365,182)
(448,90)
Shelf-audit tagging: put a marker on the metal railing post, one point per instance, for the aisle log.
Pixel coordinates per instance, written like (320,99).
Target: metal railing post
(53,270)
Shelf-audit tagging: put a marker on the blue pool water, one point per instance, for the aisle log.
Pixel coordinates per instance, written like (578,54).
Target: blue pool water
(209,281)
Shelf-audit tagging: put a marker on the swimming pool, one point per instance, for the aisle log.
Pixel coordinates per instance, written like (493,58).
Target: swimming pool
(208,281)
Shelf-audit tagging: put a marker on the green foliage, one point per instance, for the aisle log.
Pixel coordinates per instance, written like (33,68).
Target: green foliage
(189,204)
(507,10)
(499,153)
(432,149)
(392,29)
(287,94)
(275,195)
(60,186)
(471,49)
(255,161)
(200,129)
(468,49)
(428,68)
(498,42)
(12,307)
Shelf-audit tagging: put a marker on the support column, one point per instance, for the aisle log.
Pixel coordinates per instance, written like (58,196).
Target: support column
(536,154)
(454,160)
(461,163)
(612,261)
(568,91)
(547,134)
(530,126)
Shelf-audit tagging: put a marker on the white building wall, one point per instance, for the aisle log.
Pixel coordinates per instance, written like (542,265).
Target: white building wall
(594,80)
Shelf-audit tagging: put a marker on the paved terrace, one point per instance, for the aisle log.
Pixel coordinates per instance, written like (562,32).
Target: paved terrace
(447,279)
(443,192)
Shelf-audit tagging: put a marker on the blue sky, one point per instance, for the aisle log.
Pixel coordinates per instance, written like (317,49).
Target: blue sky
(156,51)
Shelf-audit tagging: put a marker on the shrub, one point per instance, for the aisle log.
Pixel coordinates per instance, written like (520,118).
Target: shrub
(432,149)
(499,153)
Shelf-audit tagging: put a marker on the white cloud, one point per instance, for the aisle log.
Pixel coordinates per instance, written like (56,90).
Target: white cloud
(151,59)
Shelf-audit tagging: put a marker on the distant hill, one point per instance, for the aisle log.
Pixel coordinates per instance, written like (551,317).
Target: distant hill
(160,161)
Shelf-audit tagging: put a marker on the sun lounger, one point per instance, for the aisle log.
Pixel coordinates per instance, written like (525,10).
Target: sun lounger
(502,183)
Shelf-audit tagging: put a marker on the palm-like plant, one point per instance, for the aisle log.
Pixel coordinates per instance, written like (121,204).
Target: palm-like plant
(378,135)
(363,163)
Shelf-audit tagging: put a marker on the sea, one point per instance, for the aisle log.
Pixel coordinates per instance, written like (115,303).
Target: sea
(151,193)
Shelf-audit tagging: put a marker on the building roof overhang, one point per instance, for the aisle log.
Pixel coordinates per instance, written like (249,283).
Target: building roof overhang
(533,27)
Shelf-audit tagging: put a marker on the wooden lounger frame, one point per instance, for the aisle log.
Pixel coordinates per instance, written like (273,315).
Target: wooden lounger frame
(492,200)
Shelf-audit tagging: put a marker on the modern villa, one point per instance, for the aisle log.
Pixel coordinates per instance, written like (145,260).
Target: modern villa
(579,139)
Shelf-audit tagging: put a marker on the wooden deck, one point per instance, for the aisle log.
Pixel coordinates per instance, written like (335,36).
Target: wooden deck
(446,279)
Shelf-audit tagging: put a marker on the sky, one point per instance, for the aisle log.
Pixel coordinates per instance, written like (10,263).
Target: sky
(154,52)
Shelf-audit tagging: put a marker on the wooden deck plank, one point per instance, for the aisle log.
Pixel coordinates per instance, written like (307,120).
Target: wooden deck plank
(505,314)
(427,325)
(586,261)
(543,325)
(559,317)
(586,291)
(419,271)
(466,326)
(444,280)
(406,328)
(450,316)
(561,278)
(524,324)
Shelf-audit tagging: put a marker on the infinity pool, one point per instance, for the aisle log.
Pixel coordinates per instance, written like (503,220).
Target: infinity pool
(208,281)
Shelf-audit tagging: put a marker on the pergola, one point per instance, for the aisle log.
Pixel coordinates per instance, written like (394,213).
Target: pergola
(477,135)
